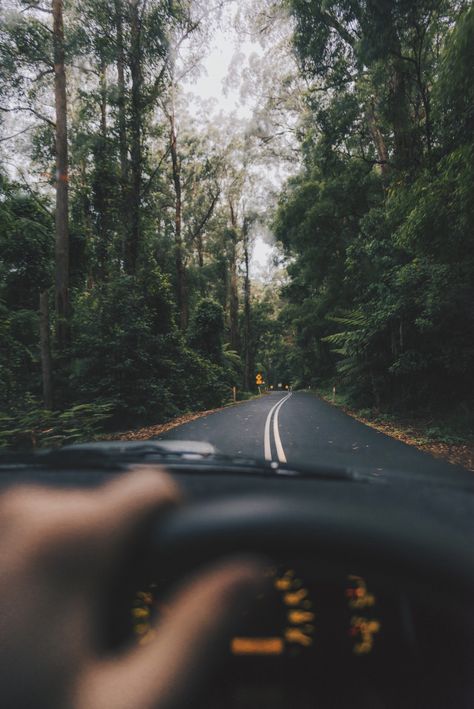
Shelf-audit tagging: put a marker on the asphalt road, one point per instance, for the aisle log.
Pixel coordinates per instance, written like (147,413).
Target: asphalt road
(301,429)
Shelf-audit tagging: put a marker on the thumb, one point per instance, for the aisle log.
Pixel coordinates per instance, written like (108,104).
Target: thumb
(164,673)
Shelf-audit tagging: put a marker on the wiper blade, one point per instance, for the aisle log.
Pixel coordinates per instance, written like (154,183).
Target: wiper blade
(178,456)
(105,454)
(321,472)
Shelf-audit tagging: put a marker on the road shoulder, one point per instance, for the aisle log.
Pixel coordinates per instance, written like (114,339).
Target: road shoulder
(147,432)
(411,432)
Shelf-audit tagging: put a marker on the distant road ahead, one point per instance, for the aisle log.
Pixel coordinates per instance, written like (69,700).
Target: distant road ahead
(301,429)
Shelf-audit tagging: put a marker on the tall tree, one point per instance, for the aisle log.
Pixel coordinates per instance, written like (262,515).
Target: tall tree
(62,179)
(248,359)
(178,222)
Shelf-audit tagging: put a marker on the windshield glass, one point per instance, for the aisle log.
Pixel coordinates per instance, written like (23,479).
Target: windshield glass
(247,224)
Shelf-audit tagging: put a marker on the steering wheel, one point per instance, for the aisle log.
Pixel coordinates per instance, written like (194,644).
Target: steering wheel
(425,557)
(387,541)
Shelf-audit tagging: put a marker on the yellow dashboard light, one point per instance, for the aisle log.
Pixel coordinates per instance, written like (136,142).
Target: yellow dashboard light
(283,584)
(293,599)
(365,629)
(257,646)
(298,617)
(296,636)
(141,613)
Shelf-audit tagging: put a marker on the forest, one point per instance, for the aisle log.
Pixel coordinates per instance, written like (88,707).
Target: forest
(130,213)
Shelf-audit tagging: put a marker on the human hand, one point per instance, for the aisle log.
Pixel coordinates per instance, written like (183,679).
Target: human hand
(60,548)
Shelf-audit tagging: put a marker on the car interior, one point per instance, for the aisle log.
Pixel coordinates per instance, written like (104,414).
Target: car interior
(370,580)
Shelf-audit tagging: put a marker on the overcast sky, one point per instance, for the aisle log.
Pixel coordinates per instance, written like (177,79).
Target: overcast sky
(223,97)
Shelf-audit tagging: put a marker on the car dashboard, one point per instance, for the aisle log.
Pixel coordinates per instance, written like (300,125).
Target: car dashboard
(319,636)
(370,582)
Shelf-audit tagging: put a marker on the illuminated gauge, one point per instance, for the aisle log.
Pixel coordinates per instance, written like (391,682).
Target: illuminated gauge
(145,609)
(290,620)
(363,628)
(285,618)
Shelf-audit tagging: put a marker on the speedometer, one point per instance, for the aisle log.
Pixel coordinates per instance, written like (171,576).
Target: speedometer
(298,614)
(282,621)
(286,613)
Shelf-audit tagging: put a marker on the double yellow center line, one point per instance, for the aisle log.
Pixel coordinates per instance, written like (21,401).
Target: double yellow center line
(275,411)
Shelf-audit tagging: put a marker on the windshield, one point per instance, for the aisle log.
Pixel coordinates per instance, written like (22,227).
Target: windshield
(243,224)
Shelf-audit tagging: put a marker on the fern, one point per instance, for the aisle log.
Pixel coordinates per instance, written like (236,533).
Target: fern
(355,322)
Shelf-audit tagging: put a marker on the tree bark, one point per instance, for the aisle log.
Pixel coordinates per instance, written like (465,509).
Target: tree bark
(122,127)
(101,184)
(233,283)
(248,364)
(379,141)
(45,350)
(134,233)
(198,238)
(400,115)
(61,217)
(179,246)
(103,100)
(200,250)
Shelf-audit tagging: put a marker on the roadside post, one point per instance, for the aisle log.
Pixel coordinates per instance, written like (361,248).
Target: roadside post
(234,393)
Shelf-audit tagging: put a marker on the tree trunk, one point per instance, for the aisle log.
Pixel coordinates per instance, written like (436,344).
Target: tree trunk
(134,234)
(103,100)
(101,184)
(61,218)
(85,207)
(426,101)
(122,127)
(248,366)
(200,250)
(179,246)
(45,350)
(234,284)
(379,141)
(400,115)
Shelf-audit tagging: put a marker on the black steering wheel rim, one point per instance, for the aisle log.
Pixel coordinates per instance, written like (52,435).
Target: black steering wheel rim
(422,551)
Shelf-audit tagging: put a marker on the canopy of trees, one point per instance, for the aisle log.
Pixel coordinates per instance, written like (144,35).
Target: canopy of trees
(380,219)
(127,227)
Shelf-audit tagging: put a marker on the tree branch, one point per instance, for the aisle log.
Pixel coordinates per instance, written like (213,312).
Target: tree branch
(43,73)
(30,110)
(336,25)
(156,85)
(32,6)
(155,171)
(206,217)
(14,135)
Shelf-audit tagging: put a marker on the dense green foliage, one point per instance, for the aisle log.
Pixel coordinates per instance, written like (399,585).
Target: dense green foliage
(380,220)
(377,226)
(151,248)
(26,247)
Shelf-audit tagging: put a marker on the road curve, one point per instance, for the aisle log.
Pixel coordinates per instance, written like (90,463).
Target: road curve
(301,429)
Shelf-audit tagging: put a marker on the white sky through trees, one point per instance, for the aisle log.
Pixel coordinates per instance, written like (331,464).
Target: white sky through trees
(216,86)
(212,91)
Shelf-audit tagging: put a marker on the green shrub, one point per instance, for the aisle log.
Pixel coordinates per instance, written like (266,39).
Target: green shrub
(35,427)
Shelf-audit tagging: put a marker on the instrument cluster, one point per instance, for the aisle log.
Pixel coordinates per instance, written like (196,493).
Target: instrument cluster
(302,613)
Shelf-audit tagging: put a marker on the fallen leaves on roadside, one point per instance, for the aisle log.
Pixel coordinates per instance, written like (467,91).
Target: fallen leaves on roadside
(144,434)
